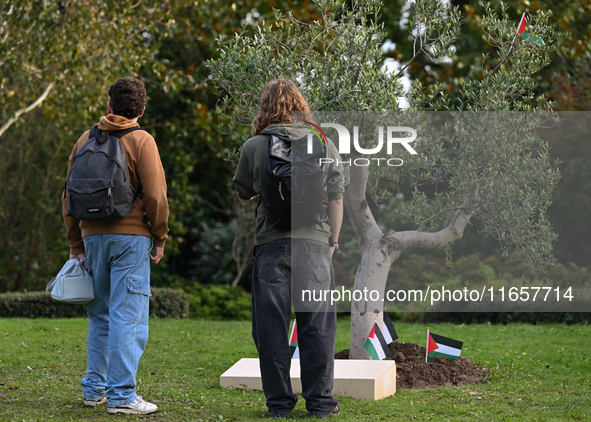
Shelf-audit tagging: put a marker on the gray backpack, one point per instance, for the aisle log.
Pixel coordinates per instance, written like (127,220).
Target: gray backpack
(98,185)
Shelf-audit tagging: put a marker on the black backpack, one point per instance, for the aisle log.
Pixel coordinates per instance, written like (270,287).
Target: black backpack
(98,184)
(295,192)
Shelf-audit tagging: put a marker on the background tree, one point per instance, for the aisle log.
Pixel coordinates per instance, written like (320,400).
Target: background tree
(336,61)
(78,48)
(210,231)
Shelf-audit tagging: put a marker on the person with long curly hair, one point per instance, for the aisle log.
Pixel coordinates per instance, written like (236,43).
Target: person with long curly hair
(287,261)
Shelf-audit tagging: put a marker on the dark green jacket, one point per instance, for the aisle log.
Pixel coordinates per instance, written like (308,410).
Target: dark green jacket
(250,178)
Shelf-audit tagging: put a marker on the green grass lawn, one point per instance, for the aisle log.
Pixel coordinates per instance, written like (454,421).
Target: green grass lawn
(542,373)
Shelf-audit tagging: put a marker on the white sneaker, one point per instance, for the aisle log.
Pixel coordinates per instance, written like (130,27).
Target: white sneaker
(94,403)
(137,407)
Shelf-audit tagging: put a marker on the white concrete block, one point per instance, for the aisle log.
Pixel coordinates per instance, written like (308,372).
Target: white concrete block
(360,379)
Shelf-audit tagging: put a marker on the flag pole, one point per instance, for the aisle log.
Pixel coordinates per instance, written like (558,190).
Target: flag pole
(375,323)
(512,42)
(427,348)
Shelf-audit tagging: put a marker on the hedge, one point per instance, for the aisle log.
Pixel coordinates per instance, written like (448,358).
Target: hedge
(219,301)
(225,302)
(534,318)
(164,303)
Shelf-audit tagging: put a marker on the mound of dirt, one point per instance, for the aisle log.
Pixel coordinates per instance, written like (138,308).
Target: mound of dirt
(413,373)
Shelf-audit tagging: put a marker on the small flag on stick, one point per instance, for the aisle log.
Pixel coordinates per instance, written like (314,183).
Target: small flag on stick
(389,331)
(524,31)
(376,345)
(442,346)
(293,342)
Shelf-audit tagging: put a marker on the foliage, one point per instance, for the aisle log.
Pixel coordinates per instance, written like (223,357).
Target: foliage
(164,303)
(418,271)
(167,46)
(180,113)
(332,58)
(572,199)
(37,305)
(474,52)
(565,81)
(169,303)
(219,302)
(336,62)
(62,43)
(213,254)
(541,373)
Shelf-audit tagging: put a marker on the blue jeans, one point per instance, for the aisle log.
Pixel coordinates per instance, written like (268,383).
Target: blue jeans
(118,316)
(283,268)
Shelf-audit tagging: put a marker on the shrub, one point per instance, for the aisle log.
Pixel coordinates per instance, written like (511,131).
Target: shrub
(164,303)
(36,305)
(214,301)
(169,303)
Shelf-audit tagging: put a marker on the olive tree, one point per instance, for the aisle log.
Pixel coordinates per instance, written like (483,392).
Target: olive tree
(337,62)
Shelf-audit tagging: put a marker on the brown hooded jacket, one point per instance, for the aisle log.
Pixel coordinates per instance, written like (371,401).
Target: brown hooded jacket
(149,214)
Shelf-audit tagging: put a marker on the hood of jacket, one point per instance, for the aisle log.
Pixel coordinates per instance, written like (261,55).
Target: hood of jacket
(113,122)
(287,132)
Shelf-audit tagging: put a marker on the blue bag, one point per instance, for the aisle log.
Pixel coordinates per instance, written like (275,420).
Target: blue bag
(73,284)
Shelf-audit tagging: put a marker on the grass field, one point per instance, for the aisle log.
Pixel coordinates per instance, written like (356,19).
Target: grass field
(542,373)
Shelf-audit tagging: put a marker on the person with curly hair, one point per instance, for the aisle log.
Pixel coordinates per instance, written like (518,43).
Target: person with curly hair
(288,261)
(118,255)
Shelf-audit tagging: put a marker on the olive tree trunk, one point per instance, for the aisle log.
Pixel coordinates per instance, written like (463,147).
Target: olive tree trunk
(378,252)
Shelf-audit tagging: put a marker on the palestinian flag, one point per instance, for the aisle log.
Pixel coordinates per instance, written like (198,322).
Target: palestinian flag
(376,345)
(389,330)
(443,346)
(524,31)
(293,342)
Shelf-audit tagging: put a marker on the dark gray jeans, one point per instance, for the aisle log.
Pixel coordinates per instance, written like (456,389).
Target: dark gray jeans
(282,269)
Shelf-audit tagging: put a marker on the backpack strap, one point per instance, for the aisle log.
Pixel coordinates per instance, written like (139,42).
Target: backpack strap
(118,134)
(93,134)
